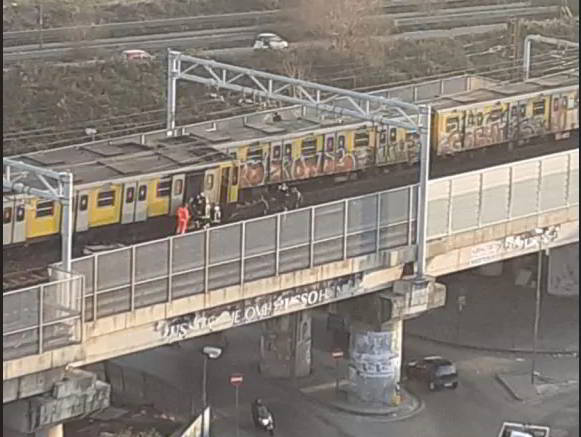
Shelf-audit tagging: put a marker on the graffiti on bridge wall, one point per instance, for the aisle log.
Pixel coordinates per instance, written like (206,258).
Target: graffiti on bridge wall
(260,308)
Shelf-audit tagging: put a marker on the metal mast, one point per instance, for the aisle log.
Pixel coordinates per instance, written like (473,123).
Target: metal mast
(539,38)
(376,109)
(56,186)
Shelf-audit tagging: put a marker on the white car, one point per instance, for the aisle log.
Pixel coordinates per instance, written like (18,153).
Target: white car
(136,55)
(270,41)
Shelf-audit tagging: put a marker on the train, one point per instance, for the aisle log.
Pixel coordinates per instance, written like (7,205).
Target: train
(234,161)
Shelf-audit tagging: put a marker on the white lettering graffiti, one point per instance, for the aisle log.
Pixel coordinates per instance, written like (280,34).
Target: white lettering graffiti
(181,327)
(531,240)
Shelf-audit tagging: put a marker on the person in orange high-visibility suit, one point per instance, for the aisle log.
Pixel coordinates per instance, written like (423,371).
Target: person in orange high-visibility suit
(183,218)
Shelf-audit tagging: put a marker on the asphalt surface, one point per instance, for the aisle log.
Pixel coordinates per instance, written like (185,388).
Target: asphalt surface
(476,409)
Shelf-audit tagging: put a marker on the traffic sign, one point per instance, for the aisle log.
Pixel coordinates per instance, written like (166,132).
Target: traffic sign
(236,379)
(337,353)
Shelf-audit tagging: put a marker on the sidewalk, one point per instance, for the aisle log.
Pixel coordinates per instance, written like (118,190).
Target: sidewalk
(492,313)
(321,387)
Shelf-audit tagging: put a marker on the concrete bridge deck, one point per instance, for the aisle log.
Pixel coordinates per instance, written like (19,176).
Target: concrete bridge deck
(147,295)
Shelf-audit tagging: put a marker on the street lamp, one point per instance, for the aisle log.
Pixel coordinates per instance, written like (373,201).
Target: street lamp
(213,353)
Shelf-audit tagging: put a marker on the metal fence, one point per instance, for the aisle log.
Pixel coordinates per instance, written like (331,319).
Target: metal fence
(44,317)
(160,271)
(494,195)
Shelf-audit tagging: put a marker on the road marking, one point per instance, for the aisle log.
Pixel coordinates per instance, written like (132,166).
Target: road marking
(320,387)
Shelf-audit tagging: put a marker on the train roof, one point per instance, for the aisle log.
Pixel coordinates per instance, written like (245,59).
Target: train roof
(207,144)
(94,163)
(507,90)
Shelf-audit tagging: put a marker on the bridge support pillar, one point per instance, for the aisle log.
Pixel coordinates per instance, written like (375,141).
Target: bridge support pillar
(77,394)
(376,335)
(285,346)
(53,431)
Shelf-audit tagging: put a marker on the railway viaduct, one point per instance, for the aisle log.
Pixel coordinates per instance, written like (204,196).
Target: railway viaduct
(355,254)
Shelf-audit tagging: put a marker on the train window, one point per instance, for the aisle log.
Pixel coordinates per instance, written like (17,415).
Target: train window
(130,195)
(209,182)
(105,198)
(523,110)
(564,102)
(361,138)
(45,209)
(330,144)
(495,115)
(451,124)
(84,202)
(142,194)
(383,136)
(276,152)
(288,150)
(393,134)
(178,187)
(309,147)
(20,211)
(254,154)
(555,103)
(470,120)
(7,215)
(164,188)
(539,108)
(235,176)
(513,111)
(479,119)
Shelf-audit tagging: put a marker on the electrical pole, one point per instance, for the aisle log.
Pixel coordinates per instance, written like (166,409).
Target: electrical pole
(40,23)
(537,308)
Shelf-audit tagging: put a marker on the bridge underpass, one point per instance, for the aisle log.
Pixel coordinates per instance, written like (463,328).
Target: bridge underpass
(126,300)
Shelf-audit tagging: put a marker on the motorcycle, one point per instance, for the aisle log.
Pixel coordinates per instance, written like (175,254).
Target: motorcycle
(267,423)
(263,418)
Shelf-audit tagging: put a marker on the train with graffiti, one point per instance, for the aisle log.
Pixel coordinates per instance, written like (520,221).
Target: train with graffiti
(235,161)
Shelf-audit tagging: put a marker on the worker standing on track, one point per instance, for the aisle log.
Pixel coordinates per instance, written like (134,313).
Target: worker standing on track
(183,219)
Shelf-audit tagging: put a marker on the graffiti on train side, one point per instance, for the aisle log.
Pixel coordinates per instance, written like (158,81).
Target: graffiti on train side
(262,167)
(276,167)
(482,129)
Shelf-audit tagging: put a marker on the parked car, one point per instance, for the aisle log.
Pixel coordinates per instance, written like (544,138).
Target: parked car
(136,55)
(512,429)
(270,41)
(436,371)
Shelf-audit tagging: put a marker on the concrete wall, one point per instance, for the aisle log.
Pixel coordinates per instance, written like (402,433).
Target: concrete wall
(563,277)
(132,332)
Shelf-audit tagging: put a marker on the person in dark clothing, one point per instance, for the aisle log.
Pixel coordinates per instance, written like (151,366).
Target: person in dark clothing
(276,117)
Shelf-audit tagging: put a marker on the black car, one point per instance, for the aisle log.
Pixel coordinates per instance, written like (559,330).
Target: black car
(437,372)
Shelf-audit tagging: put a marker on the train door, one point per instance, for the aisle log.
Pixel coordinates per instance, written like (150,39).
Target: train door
(141,202)
(194,186)
(225,173)
(381,146)
(8,214)
(212,185)
(287,161)
(82,223)
(177,192)
(19,221)
(558,113)
(275,163)
(329,156)
(128,206)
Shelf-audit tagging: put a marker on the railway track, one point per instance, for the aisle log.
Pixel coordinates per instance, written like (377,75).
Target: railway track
(242,36)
